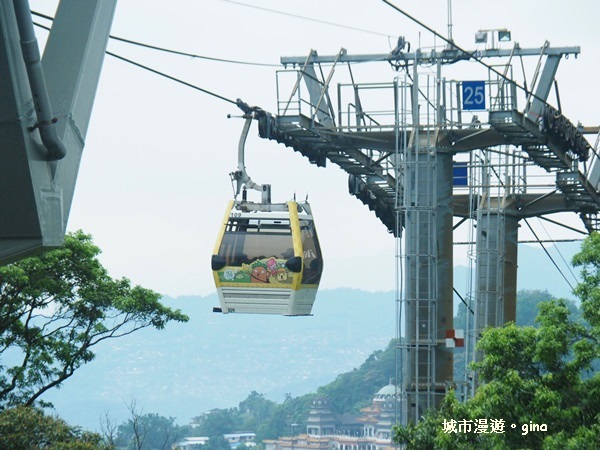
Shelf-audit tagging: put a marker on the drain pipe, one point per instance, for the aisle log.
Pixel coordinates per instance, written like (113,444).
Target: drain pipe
(31,55)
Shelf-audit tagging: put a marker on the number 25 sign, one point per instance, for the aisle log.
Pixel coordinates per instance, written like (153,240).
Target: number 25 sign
(473,95)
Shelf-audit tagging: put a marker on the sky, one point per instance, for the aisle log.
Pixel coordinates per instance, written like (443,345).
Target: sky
(154,178)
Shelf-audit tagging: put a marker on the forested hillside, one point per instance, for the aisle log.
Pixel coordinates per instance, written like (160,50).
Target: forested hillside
(348,393)
(216,360)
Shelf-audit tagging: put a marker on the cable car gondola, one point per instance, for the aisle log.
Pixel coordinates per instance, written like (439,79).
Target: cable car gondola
(267,261)
(267,258)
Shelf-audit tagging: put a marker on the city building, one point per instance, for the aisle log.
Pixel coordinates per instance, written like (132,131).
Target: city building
(234,440)
(325,430)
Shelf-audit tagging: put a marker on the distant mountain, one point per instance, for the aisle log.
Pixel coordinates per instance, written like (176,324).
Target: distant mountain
(536,271)
(215,360)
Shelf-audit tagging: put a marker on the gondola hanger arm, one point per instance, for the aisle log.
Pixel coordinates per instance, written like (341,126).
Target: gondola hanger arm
(240,176)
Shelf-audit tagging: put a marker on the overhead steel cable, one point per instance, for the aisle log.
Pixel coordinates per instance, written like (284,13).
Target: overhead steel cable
(548,254)
(559,253)
(471,55)
(463,300)
(168,50)
(158,72)
(191,55)
(297,16)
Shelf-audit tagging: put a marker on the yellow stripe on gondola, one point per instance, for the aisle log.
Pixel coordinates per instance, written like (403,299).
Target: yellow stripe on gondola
(220,240)
(297,242)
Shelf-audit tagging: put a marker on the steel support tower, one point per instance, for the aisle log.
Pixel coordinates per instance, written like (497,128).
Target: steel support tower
(426,172)
(420,158)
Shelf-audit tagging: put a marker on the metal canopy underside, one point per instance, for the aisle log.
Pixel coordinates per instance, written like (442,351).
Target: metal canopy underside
(347,149)
(35,193)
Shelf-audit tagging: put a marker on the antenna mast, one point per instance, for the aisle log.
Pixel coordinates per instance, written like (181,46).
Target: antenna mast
(450,21)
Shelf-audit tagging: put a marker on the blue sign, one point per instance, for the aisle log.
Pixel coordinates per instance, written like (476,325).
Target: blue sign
(473,95)
(460,174)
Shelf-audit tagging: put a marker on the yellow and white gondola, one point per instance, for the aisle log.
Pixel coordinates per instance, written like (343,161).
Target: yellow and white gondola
(267,261)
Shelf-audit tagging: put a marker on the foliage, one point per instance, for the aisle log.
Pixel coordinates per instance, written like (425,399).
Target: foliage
(270,420)
(148,432)
(528,301)
(354,390)
(527,306)
(28,428)
(536,382)
(296,410)
(218,422)
(55,307)
(217,442)
(264,417)
(589,289)
(531,376)
(260,415)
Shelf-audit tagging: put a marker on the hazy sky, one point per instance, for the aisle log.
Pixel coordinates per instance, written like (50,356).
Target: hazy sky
(154,178)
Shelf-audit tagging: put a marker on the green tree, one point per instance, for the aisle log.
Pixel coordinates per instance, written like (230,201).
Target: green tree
(255,409)
(28,428)
(219,422)
(275,426)
(295,411)
(531,376)
(148,431)
(217,442)
(55,307)
(265,417)
(270,420)
(354,390)
(588,290)
(527,306)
